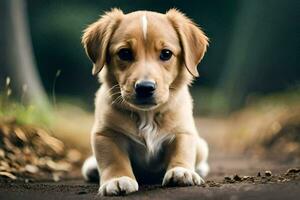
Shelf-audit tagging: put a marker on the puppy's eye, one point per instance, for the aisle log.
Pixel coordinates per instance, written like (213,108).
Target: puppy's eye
(165,54)
(125,54)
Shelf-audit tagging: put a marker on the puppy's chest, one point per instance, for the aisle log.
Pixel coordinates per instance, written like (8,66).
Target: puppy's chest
(151,134)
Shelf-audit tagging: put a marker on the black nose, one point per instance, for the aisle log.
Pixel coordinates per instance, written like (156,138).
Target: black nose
(144,89)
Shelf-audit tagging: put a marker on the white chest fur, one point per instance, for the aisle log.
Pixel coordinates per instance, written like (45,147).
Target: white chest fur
(150,133)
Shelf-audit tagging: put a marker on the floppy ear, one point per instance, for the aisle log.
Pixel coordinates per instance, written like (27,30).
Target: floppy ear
(193,40)
(96,38)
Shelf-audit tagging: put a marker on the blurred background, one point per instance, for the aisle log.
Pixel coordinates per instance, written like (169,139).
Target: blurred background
(253,51)
(250,75)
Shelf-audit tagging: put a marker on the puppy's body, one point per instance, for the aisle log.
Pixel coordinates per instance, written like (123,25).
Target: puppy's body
(157,137)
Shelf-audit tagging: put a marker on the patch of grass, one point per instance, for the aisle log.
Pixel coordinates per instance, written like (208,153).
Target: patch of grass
(288,97)
(38,113)
(24,114)
(209,101)
(215,102)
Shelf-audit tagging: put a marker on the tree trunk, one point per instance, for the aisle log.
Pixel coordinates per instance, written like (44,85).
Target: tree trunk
(18,59)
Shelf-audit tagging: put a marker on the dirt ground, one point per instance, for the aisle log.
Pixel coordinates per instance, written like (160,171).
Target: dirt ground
(216,186)
(234,175)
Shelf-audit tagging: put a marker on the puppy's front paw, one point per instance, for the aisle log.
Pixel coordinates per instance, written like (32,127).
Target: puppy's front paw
(179,176)
(118,186)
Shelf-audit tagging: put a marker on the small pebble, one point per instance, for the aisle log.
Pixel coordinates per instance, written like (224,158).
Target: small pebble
(293,171)
(258,174)
(82,192)
(237,178)
(248,178)
(268,173)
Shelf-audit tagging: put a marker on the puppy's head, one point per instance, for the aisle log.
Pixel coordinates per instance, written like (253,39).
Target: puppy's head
(148,55)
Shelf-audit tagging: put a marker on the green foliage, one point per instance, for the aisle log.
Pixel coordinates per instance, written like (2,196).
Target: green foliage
(24,114)
(289,98)
(216,102)
(208,101)
(39,113)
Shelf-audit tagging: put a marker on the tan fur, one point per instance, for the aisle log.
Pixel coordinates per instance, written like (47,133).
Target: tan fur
(125,133)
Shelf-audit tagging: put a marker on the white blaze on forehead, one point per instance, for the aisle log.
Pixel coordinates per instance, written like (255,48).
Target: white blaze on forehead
(144,25)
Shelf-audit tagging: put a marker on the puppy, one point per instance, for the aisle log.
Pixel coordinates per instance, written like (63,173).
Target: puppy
(144,128)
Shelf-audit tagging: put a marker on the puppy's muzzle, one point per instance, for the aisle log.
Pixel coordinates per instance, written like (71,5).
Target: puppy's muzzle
(144,92)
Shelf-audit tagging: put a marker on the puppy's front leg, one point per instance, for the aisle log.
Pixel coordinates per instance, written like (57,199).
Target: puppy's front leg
(116,176)
(181,158)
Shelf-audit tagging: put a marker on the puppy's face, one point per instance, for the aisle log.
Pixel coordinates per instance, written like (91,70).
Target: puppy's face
(145,52)
(145,56)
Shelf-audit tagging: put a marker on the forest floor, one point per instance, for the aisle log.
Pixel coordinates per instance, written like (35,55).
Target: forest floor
(219,185)
(235,174)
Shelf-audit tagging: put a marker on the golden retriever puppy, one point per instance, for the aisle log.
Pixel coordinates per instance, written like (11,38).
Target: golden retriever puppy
(144,129)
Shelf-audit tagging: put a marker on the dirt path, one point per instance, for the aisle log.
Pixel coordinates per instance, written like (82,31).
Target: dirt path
(222,165)
(225,161)
(78,190)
